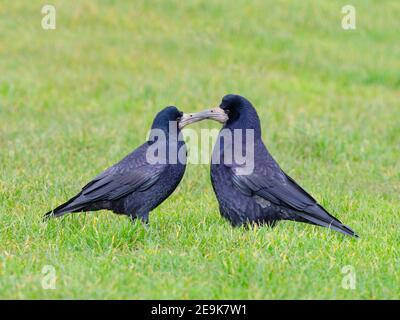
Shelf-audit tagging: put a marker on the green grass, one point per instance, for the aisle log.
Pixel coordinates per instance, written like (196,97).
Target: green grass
(75,100)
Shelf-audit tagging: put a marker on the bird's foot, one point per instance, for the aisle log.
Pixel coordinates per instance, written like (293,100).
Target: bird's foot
(144,220)
(145,226)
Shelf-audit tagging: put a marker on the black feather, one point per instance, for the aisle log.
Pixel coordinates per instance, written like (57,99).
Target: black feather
(239,195)
(133,186)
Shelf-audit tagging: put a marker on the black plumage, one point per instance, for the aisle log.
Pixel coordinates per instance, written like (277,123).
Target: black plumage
(267,194)
(134,186)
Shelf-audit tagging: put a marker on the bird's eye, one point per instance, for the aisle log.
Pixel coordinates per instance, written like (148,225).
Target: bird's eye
(227,111)
(178,119)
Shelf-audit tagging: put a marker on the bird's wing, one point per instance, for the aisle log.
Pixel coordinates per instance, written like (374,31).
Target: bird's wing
(272,184)
(119,181)
(277,187)
(131,174)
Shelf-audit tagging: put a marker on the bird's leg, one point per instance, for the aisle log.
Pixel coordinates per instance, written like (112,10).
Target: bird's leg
(144,217)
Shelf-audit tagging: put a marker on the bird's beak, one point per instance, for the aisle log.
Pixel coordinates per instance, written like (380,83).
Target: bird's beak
(188,118)
(216,114)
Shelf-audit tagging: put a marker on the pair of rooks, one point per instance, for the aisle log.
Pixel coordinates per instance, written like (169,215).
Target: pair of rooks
(135,186)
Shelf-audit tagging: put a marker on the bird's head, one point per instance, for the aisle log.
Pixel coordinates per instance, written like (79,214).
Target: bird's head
(165,116)
(234,111)
(234,105)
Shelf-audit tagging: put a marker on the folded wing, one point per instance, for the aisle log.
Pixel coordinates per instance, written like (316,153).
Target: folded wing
(132,174)
(272,184)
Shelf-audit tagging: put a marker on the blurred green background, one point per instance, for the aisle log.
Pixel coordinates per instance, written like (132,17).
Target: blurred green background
(77,99)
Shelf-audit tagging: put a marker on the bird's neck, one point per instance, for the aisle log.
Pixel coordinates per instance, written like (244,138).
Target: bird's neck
(168,134)
(166,147)
(246,120)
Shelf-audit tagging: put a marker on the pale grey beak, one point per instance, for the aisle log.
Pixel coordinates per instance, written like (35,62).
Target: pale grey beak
(216,114)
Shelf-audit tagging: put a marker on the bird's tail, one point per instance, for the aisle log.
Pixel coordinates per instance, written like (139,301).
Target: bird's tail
(320,217)
(331,225)
(70,206)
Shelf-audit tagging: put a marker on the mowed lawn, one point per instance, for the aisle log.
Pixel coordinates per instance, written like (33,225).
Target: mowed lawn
(77,99)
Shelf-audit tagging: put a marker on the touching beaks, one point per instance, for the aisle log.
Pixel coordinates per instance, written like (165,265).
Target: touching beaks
(188,118)
(216,114)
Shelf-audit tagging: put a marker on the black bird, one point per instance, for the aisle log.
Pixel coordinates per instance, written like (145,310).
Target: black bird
(137,184)
(264,194)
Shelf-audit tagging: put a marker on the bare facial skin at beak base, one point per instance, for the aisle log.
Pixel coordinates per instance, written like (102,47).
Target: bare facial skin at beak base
(216,114)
